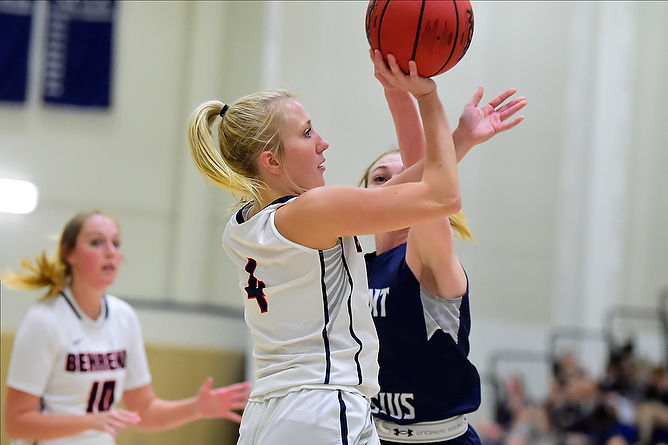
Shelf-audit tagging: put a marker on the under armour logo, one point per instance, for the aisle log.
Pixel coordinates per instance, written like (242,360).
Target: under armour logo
(403,432)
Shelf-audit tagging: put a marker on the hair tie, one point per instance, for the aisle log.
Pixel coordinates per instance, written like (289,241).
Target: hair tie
(224,110)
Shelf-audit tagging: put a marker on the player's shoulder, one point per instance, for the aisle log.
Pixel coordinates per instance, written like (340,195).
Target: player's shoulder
(46,312)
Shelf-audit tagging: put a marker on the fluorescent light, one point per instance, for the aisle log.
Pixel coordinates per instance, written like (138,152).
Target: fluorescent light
(17,196)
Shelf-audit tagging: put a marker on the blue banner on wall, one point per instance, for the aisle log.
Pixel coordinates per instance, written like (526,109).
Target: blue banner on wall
(79,52)
(15,24)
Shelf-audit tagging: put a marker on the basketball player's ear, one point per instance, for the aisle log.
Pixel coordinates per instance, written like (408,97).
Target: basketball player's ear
(270,163)
(65,253)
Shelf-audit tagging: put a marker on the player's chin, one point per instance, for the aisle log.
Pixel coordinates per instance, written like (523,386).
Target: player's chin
(107,280)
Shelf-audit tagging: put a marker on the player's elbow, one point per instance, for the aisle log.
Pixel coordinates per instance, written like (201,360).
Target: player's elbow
(452,204)
(449,202)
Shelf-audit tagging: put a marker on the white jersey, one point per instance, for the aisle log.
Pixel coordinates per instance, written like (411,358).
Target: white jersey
(307,309)
(78,365)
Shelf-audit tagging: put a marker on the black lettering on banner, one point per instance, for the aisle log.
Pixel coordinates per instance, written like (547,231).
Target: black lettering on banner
(255,288)
(105,399)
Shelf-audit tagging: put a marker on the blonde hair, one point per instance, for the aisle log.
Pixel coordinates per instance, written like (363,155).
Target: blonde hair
(249,127)
(458,221)
(54,272)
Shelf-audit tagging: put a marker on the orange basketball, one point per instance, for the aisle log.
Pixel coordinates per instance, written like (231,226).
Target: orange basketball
(434,33)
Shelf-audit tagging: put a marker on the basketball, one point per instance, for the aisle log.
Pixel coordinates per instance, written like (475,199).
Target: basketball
(434,33)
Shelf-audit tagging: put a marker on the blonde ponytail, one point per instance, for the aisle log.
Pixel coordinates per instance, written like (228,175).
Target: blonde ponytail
(209,160)
(460,226)
(247,128)
(44,272)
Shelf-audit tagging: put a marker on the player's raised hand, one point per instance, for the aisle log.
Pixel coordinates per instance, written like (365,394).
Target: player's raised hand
(478,124)
(379,75)
(393,77)
(222,402)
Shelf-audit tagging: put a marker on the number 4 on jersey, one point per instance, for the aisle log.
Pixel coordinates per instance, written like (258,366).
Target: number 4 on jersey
(255,288)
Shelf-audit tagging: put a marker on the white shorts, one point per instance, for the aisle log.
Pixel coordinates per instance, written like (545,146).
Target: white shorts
(309,416)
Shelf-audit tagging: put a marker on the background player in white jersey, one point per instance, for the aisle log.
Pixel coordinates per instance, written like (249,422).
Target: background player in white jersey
(79,351)
(420,291)
(300,267)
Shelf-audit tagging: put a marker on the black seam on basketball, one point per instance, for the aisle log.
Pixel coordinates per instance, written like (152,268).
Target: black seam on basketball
(380,25)
(454,44)
(417,33)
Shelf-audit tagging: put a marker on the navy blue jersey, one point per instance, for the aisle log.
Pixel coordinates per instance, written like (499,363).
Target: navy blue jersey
(425,374)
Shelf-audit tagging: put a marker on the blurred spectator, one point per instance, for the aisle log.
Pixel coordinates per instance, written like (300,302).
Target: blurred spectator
(652,411)
(628,406)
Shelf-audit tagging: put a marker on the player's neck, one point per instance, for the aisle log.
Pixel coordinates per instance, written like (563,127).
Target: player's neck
(389,240)
(88,298)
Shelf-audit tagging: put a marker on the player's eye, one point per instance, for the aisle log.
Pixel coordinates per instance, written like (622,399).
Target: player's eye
(307,133)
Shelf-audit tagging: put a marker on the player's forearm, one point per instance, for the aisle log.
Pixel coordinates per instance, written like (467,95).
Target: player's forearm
(38,426)
(168,414)
(440,162)
(407,124)
(462,144)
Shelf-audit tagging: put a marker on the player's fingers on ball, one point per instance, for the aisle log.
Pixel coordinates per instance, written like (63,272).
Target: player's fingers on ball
(394,66)
(378,57)
(379,65)
(412,69)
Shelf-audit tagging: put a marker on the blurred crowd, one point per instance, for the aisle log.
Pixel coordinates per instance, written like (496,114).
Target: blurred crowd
(627,406)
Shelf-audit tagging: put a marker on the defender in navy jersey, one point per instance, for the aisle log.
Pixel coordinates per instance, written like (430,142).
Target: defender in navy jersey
(419,294)
(425,375)
(301,270)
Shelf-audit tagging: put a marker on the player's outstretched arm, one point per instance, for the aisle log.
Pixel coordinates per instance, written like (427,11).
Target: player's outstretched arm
(159,414)
(24,420)
(430,250)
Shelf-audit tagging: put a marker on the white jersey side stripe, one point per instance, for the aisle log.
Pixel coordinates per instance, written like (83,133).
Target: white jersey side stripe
(350,314)
(325,307)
